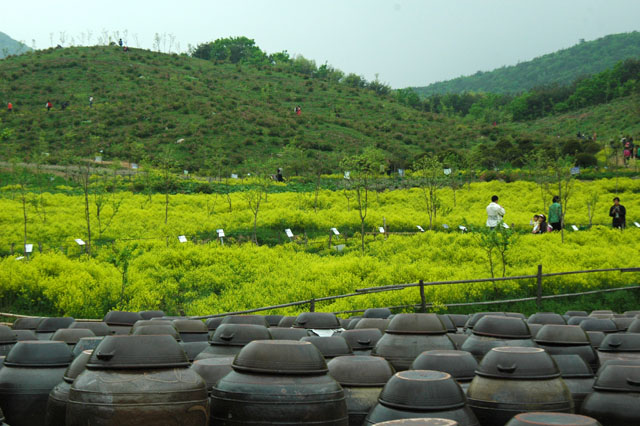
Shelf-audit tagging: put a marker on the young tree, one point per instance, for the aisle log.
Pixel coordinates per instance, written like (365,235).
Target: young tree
(363,169)
(83,174)
(495,241)
(258,192)
(431,178)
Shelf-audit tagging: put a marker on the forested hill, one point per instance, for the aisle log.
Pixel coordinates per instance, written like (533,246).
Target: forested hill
(9,46)
(561,67)
(196,113)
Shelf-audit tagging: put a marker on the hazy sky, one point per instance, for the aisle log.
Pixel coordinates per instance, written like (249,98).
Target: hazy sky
(406,42)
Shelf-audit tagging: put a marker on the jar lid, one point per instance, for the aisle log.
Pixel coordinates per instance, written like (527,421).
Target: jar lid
(518,363)
(422,390)
(416,324)
(41,353)
(280,357)
(361,371)
(122,352)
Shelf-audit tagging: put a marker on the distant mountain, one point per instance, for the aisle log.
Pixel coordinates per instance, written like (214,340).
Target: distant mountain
(9,46)
(561,67)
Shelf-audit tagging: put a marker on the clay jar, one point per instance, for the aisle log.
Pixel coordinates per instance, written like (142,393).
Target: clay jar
(362,378)
(138,380)
(120,322)
(494,331)
(422,394)
(615,396)
(577,375)
(229,339)
(278,382)
(59,395)
(31,370)
(8,338)
(362,340)
(551,419)
(461,365)
(408,335)
(621,346)
(567,340)
(512,380)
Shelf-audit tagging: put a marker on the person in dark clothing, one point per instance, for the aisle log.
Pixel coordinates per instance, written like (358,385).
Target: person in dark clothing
(278,176)
(618,213)
(120,43)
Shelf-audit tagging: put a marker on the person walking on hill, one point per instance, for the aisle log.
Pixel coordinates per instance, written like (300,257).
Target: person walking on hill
(90,101)
(298,110)
(618,213)
(555,214)
(495,213)
(49,105)
(10,107)
(120,43)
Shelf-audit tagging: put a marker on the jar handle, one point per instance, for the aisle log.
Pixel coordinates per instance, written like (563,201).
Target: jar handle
(615,343)
(507,369)
(364,342)
(227,337)
(105,356)
(633,382)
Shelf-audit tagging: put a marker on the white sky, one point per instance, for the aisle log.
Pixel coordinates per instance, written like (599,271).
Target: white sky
(406,42)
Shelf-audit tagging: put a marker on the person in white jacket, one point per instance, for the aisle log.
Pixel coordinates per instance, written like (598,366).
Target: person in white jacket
(495,213)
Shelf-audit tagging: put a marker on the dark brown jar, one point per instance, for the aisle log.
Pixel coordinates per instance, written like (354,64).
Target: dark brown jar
(59,395)
(420,394)
(278,382)
(615,396)
(362,379)
(512,380)
(31,370)
(138,380)
(408,335)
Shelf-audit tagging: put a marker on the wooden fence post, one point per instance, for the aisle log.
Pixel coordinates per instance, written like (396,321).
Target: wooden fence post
(423,301)
(312,305)
(12,248)
(539,292)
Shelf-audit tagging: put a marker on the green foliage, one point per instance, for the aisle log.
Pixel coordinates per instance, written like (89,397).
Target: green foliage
(561,68)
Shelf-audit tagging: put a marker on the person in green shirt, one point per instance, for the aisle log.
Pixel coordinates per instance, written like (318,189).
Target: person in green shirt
(555,214)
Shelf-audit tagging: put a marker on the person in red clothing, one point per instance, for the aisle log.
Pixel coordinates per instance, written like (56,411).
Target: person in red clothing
(298,110)
(10,107)
(49,105)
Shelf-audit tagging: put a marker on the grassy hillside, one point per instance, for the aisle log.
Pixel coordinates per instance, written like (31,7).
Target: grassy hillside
(561,67)
(9,46)
(146,103)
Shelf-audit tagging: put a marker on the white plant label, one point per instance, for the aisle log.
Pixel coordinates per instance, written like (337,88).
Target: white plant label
(182,238)
(636,224)
(445,226)
(289,233)
(462,228)
(79,241)
(575,228)
(28,248)
(234,176)
(447,171)
(335,231)
(134,166)
(220,233)
(419,228)
(505,226)
(381,229)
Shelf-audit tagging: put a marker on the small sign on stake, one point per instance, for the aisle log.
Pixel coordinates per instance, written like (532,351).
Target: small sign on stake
(134,166)
(335,231)
(234,176)
(220,233)
(28,248)
(636,224)
(381,229)
(339,247)
(182,238)
(186,172)
(445,226)
(401,172)
(447,171)
(347,175)
(575,170)
(288,232)
(505,226)
(419,228)
(575,228)
(98,159)
(79,241)
(462,228)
